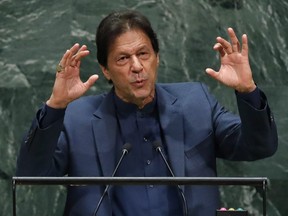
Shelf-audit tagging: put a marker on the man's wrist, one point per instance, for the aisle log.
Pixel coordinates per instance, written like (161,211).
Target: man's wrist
(51,102)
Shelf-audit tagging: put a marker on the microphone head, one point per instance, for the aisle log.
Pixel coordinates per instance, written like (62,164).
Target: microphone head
(157,144)
(127,147)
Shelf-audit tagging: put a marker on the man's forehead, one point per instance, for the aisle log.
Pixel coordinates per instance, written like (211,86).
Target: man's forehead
(131,41)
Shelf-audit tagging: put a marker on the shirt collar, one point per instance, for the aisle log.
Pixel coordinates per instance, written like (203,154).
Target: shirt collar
(125,108)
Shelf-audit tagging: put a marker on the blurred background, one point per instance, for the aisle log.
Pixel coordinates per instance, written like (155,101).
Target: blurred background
(34,34)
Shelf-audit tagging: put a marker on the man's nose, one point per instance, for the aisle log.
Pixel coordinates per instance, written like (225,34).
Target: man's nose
(136,65)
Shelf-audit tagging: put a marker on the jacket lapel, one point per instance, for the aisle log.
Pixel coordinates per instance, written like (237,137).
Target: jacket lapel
(105,134)
(171,122)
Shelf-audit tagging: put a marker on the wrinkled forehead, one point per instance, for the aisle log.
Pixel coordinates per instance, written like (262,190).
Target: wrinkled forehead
(130,40)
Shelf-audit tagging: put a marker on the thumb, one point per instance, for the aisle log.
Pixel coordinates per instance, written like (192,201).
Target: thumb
(92,79)
(212,73)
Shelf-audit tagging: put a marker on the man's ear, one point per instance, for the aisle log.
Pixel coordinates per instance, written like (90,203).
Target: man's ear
(105,71)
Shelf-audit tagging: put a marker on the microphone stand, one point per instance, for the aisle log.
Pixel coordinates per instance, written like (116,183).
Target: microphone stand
(126,148)
(158,147)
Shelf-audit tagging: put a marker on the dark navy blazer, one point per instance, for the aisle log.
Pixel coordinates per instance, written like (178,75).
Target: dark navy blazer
(196,128)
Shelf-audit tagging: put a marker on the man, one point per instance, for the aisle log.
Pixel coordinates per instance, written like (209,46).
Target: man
(84,136)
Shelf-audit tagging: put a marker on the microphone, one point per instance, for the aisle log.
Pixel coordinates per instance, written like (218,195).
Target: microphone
(125,150)
(158,147)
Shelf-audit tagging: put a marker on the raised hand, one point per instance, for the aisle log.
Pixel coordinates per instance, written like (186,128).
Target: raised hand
(68,85)
(235,71)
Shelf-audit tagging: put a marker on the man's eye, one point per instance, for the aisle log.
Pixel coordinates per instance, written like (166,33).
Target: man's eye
(143,55)
(122,59)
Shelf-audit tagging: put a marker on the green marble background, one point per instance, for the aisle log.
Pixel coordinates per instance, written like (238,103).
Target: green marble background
(35,33)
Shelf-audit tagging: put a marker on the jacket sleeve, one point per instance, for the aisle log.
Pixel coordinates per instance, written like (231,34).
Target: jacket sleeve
(37,152)
(255,137)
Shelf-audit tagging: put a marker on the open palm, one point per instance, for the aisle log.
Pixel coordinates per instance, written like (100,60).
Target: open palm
(68,86)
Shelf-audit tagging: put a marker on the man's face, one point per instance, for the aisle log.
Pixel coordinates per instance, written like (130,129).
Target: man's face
(132,66)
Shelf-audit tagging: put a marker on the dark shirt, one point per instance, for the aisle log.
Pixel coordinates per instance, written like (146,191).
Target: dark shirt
(141,128)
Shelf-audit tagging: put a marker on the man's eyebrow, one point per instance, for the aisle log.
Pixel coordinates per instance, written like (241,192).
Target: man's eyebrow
(124,52)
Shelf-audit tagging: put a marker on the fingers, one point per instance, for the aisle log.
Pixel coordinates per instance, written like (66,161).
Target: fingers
(225,47)
(66,59)
(62,64)
(76,55)
(245,45)
(72,57)
(234,40)
(220,49)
